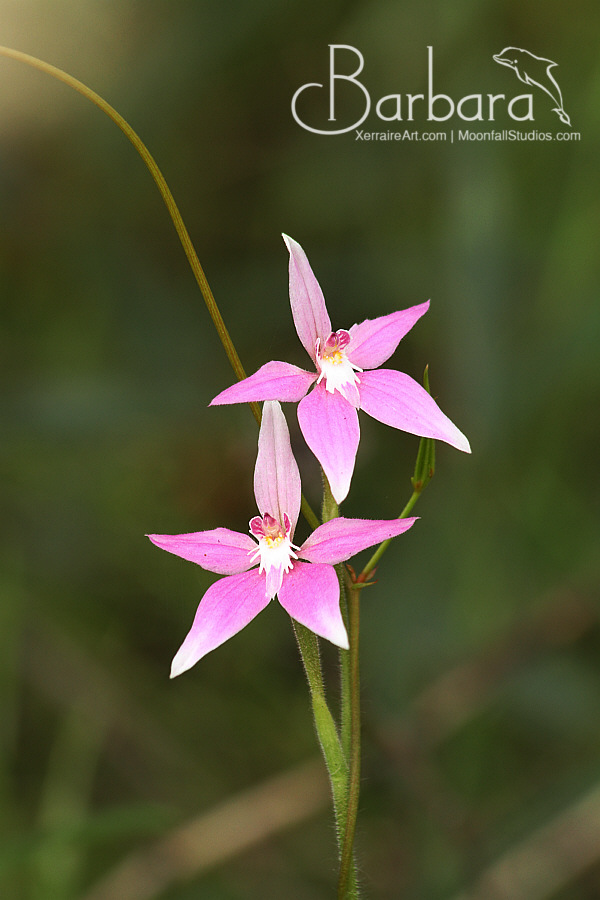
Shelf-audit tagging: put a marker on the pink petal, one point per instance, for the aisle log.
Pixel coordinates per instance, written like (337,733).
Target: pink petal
(226,608)
(276,475)
(306,298)
(374,340)
(397,400)
(220,550)
(311,595)
(330,428)
(339,539)
(273,381)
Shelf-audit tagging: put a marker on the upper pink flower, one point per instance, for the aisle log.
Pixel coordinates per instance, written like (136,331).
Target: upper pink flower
(302,577)
(345,382)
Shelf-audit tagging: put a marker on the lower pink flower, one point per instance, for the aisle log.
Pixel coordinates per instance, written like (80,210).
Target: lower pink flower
(303,578)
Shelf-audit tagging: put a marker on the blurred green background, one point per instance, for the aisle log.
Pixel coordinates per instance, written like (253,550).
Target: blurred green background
(481,640)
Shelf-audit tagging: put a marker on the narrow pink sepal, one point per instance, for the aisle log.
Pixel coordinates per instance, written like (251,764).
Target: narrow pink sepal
(227,607)
(273,381)
(396,399)
(276,475)
(374,340)
(339,539)
(220,550)
(306,298)
(330,428)
(311,595)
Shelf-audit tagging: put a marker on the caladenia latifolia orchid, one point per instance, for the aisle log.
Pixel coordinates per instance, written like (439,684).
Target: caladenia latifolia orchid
(323,601)
(302,576)
(347,378)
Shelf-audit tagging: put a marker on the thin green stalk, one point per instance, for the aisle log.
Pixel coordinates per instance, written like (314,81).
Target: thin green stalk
(347,887)
(385,544)
(309,515)
(165,193)
(423,473)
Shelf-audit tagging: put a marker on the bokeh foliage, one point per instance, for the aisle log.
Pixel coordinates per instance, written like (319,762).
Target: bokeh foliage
(481,645)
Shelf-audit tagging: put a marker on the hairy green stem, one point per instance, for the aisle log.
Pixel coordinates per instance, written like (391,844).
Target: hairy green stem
(324,723)
(350,720)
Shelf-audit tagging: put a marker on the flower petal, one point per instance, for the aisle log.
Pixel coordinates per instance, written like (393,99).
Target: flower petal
(273,381)
(339,539)
(276,475)
(311,595)
(330,428)
(220,550)
(397,400)
(226,608)
(374,340)
(306,298)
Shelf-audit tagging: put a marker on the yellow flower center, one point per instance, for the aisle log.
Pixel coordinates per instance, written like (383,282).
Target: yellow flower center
(336,358)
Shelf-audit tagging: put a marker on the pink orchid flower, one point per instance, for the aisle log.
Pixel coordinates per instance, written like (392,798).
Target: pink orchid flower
(345,380)
(302,577)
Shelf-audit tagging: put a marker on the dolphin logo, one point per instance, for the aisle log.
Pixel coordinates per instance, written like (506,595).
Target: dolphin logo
(535,70)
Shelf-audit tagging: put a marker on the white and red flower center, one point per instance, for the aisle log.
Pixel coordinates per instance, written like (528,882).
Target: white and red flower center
(275,549)
(333,364)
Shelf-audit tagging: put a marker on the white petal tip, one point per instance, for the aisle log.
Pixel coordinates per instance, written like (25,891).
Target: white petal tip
(340,495)
(464,444)
(180,665)
(290,243)
(339,491)
(338,636)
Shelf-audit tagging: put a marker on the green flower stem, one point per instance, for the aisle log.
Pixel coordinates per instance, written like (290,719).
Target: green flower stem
(330,510)
(347,886)
(165,193)
(325,726)
(350,719)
